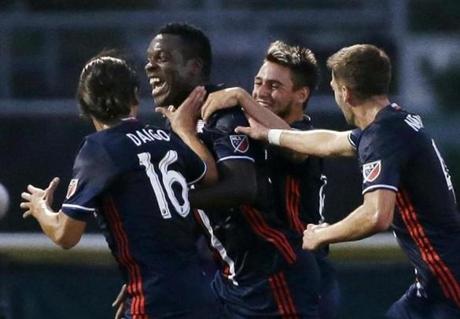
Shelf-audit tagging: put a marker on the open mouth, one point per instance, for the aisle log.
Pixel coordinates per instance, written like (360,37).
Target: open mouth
(157,85)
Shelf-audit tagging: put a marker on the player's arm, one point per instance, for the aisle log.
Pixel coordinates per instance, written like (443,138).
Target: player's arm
(373,216)
(237,185)
(237,96)
(183,122)
(60,228)
(321,143)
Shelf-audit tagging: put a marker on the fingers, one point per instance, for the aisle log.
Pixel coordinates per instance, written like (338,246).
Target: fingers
(121,296)
(33,189)
(243,130)
(25,196)
(120,302)
(27,214)
(165,112)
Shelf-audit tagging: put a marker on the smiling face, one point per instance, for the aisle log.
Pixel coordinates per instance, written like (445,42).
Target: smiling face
(170,75)
(274,89)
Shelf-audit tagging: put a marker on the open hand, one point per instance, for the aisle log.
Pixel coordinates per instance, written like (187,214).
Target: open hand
(36,197)
(219,100)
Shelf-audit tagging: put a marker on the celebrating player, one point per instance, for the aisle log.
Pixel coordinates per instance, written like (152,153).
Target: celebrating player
(262,272)
(284,84)
(401,167)
(135,179)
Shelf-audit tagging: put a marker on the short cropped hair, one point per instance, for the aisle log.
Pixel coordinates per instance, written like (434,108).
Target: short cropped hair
(196,43)
(107,87)
(364,68)
(301,62)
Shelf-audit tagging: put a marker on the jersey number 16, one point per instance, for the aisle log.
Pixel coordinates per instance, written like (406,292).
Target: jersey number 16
(165,184)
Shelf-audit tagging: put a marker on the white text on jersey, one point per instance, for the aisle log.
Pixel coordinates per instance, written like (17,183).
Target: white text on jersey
(143,136)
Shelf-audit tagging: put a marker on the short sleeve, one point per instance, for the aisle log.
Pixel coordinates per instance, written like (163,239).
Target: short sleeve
(92,172)
(354,137)
(382,155)
(227,144)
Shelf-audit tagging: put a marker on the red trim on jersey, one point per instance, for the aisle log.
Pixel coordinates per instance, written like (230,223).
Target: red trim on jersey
(134,287)
(292,197)
(272,235)
(282,296)
(446,279)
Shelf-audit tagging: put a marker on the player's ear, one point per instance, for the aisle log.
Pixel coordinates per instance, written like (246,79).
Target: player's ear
(348,96)
(196,65)
(302,94)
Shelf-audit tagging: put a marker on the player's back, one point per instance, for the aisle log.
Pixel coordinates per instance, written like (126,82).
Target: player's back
(142,174)
(427,223)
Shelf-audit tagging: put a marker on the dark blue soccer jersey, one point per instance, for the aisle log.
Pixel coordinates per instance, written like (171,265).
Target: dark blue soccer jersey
(135,179)
(249,239)
(299,186)
(397,154)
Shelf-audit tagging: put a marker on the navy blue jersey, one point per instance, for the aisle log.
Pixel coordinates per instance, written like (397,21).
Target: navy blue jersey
(397,154)
(299,186)
(249,239)
(135,179)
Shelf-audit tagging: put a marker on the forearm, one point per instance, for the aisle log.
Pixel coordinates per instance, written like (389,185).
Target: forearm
(321,143)
(361,223)
(260,113)
(202,151)
(219,196)
(50,223)
(237,185)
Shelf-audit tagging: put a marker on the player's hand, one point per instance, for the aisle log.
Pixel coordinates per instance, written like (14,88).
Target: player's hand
(255,130)
(35,197)
(183,119)
(219,100)
(119,302)
(311,240)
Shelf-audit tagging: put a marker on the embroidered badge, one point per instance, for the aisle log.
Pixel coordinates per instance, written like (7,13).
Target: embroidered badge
(240,143)
(72,188)
(371,171)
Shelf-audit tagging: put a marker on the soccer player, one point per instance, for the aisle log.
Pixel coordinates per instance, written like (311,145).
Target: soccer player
(284,84)
(134,178)
(401,167)
(263,273)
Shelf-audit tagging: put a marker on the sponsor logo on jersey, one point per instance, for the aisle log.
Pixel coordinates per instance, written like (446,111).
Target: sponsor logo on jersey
(240,143)
(72,188)
(371,171)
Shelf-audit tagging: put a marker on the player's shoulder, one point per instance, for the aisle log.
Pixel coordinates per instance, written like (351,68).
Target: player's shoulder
(304,124)
(228,119)
(395,122)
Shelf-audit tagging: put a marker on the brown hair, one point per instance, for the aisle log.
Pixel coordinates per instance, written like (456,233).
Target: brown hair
(363,68)
(301,62)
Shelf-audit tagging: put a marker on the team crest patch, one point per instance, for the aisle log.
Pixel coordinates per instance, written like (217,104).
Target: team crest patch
(371,171)
(240,143)
(72,188)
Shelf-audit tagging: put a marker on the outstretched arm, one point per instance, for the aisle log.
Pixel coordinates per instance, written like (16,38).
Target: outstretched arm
(373,216)
(60,228)
(321,143)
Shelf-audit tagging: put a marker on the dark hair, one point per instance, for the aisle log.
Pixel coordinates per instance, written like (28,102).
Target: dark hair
(301,62)
(107,87)
(196,43)
(364,68)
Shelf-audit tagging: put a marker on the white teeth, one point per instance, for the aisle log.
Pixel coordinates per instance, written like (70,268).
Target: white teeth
(155,81)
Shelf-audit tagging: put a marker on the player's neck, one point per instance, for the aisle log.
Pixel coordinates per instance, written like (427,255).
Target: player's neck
(295,114)
(366,112)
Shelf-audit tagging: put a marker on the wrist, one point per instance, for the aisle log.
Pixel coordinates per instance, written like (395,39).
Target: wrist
(274,136)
